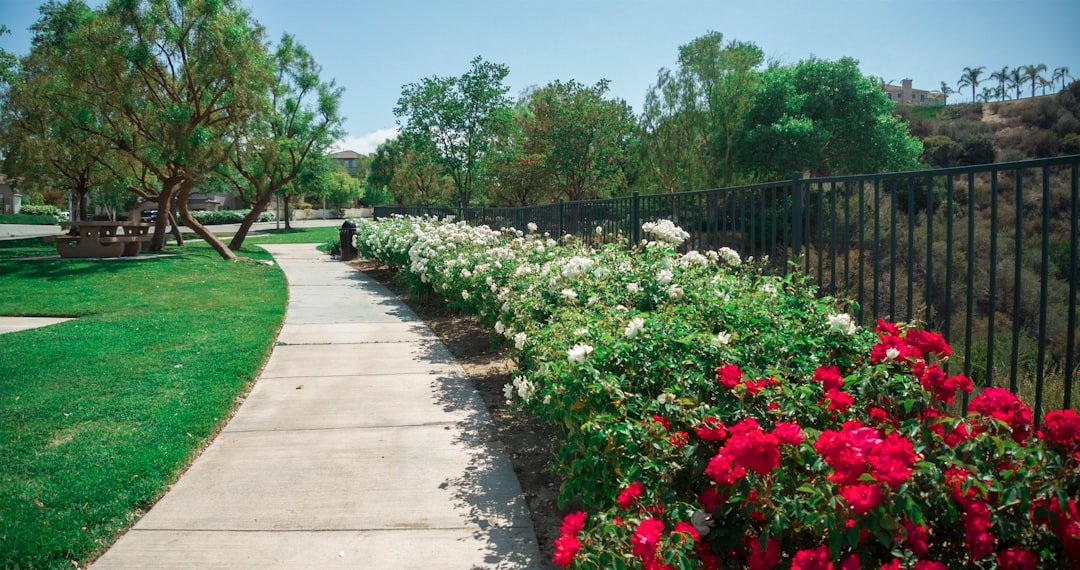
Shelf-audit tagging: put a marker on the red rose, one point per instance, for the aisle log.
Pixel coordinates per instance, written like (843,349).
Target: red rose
(754,450)
(723,470)
(851,562)
(710,499)
(839,401)
(977,526)
(631,493)
(729,376)
(762,559)
(679,438)
(646,538)
(754,387)
(687,528)
(885,327)
(917,539)
(788,433)
(812,559)
(1062,428)
(711,429)
(660,420)
(880,416)
(566,548)
(930,565)
(1003,405)
(928,342)
(829,377)
(890,347)
(893,565)
(573,523)
(892,460)
(1017,559)
(863,497)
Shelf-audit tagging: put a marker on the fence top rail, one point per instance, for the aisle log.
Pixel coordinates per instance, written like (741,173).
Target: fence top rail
(755,186)
(953,171)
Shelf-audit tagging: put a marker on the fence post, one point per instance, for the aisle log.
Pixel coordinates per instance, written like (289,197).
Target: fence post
(562,218)
(635,219)
(797,215)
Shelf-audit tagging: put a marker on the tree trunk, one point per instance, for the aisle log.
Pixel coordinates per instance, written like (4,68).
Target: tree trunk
(191,222)
(245,225)
(175,226)
(164,199)
(286,214)
(82,204)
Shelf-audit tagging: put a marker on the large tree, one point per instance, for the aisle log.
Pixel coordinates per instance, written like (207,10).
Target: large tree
(695,116)
(1002,77)
(170,83)
(1033,74)
(970,78)
(302,121)
(946,90)
(453,119)
(42,144)
(825,117)
(586,140)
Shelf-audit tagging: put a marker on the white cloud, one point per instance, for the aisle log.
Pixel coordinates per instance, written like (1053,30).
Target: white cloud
(366,144)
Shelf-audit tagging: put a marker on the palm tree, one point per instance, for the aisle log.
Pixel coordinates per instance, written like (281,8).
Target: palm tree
(987,94)
(1032,74)
(970,78)
(1001,77)
(1016,80)
(1044,83)
(1061,73)
(945,92)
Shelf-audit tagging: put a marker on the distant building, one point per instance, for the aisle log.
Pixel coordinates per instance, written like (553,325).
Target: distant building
(348,160)
(906,95)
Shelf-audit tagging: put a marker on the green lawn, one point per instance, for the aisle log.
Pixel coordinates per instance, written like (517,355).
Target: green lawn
(99,415)
(26,247)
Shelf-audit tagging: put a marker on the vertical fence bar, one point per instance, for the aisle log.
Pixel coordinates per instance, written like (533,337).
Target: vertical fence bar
(775,206)
(992,311)
(948,259)
(892,251)
(930,249)
(797,215)
(862,251)
(970,320)
(910,314)
(635,219)
(1018,256)
(1074,273)
(832,237)
(847,237)
(562,218)
(876,258)
(819,246)
(1044,292)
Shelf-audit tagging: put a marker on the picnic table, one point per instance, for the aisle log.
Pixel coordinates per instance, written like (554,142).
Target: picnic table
(101,239)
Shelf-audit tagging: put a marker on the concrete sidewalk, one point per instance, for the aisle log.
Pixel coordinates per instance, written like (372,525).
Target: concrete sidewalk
(362,445)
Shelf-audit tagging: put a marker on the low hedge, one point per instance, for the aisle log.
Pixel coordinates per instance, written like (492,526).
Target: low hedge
(228,217)
(713,415)
(39,210)
(28,219)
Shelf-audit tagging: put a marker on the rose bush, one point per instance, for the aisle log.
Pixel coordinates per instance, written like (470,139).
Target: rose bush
(714,415)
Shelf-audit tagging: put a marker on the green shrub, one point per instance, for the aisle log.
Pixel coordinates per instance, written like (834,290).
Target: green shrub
(39,210)
(228,217)
(1070,143)
(28,219)
(941,151)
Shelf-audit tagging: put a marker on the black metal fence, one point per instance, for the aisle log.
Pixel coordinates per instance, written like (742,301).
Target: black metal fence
(986,254)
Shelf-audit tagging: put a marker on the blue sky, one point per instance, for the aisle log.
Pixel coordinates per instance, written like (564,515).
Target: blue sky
(373,48)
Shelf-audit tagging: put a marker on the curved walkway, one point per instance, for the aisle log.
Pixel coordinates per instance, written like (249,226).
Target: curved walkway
(362,445)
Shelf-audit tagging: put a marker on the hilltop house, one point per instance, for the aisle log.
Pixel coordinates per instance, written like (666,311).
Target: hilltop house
(348,160)
(906,95)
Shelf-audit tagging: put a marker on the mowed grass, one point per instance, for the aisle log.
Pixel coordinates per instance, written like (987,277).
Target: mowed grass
(100,414)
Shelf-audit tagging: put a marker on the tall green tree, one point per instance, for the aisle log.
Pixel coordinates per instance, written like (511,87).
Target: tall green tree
(42,144)
(171,83)
(970,78)
(1002,77)
(1061,73)
(515,166)
(946,90)
(383,164)
(454,120)
(587,141)
(1033,73)
(825,117)
(301,121)
(695,116)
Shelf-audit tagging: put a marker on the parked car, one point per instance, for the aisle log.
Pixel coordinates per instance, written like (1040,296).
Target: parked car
(148,216)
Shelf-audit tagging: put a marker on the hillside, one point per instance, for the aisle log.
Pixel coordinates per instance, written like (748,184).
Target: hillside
(1003,131)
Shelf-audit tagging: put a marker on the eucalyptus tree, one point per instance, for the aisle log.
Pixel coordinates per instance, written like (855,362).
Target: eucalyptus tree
(946,90)
(1002,77)
(1033,73)
(970,78)
(454,120)
(171,83)
(301,121)
(695,116)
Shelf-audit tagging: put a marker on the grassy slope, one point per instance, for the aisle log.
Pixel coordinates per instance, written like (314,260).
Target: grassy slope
(98,415)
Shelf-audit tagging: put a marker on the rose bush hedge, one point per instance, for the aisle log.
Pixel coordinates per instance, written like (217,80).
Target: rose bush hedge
(716,416)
